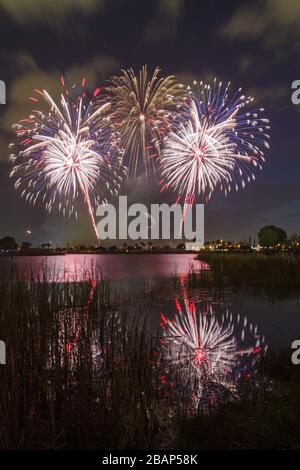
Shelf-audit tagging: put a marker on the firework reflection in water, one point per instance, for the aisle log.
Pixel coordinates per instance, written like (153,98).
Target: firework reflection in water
(205,354)
(79,327)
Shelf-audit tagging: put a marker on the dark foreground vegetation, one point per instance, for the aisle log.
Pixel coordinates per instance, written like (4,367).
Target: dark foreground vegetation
(267,416)
(274,274)
(77,372)
(83,372)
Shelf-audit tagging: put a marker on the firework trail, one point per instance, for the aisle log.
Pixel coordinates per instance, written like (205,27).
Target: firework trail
(216,142)
(142,109)
(65,153)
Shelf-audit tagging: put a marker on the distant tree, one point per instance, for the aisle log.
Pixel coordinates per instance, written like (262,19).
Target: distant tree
(270,236)
(8,243)
(244,248)
(25,246)
(113,248)
(47,246)
(180,247)
(294,238)
(100,248)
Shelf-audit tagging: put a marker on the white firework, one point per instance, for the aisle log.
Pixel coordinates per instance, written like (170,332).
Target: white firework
(66,153)
(214,143)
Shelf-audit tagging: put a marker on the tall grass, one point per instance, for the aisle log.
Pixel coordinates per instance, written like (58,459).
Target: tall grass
(267,417)
(77,372)
(277,274)
(82,372)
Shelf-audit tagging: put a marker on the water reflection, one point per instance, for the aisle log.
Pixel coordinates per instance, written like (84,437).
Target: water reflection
(80,268)
(84,325)
(105,363)
(199,356)
(206,352)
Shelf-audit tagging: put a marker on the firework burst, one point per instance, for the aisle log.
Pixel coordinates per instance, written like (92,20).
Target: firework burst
(64,153)
(142,109)
(216,142)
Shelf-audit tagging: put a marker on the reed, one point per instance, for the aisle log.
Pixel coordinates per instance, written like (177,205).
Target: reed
(83,371)
(277,274)
(77,372)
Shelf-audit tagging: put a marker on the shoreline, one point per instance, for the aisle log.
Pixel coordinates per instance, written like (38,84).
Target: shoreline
(171,252)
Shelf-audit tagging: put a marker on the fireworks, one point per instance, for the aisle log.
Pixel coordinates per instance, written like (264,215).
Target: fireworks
(215,143)
(205,352)
(65,153)
(205,138)
(142,109)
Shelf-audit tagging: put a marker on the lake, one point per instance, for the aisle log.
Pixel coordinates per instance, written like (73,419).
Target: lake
(134,274)
(104,347)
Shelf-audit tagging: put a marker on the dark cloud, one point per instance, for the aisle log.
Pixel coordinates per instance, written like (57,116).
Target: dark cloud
(53,12)
(95,38)
(274,22)
(245,212)
(165,20)
(32,77)
(269,95)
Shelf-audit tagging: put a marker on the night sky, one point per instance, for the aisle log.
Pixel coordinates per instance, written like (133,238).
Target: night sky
(254,44)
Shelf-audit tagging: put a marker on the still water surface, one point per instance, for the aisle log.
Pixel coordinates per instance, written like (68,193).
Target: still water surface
(278,322)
